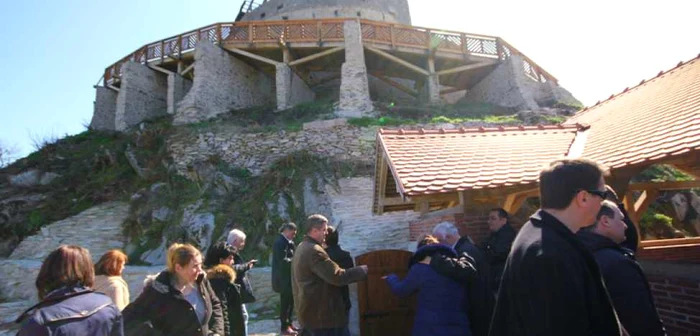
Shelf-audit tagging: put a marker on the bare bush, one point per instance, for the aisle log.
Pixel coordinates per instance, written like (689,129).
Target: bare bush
(7,154)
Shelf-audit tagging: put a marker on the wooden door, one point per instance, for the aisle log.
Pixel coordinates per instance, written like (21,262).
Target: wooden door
(381,312)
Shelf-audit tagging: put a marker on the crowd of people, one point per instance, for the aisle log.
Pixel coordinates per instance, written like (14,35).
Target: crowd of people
(570,270)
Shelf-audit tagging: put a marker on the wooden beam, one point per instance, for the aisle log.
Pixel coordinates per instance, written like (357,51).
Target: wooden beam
(159,69)
(252,56)
(628,201)
(113,87)
(422,207)
(398,60)
(397,85)
(187,69)
(393,201)
(513,202)
(671,185)
(463,68)
(327,79)
(452,90)
(315,56)
(640,206)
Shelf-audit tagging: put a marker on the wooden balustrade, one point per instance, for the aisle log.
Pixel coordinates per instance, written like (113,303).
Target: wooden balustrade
(327,30)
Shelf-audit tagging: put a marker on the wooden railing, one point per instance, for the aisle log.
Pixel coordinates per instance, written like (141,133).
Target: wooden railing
(327,30)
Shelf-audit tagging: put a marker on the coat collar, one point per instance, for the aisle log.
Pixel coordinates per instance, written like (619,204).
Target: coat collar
(54,296)
(596,242)
(311,240)
(162,283)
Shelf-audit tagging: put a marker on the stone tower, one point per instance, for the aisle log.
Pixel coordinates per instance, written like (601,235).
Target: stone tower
(392,11)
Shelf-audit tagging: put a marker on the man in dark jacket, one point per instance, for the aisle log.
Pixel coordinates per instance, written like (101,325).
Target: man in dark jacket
(624,278)
(479,291)
(316,282)
(340,257)
(551,284)
(282,253)
(497,245)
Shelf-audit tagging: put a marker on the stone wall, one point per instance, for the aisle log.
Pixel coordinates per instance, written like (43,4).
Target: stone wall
(354,85)
(105,107)
(142,95)
(256,151)
(178,87)
(291,89)
(379,10)
(505,86)
(360,231)
(222,82)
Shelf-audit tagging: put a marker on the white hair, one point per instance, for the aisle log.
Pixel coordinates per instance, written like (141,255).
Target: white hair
(442,230)
(234,236)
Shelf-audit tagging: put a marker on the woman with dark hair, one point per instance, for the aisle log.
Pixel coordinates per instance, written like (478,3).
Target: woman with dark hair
(108,277)
(177,301)
(68,306)
(441,306)
(222,278)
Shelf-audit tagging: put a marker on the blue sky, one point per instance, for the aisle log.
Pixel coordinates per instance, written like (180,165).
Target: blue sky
(55,51)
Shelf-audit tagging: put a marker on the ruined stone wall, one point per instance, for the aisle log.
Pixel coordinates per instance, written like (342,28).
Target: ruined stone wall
(354,85)
(142,95)
(256,151)
(506,86)
(105,107)
(291,89)
(378,10)
(178,87)
(222,82)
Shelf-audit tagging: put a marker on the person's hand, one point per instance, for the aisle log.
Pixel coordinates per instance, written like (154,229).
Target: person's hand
(384,277)
(251,263)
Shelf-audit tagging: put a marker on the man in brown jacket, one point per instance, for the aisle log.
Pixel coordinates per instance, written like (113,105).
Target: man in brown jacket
(317,284)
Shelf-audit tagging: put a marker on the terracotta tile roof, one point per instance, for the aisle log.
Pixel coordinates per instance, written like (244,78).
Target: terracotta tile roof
(657,119)
(443,161)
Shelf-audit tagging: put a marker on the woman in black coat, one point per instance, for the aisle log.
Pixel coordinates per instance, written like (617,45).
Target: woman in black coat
(177,301)
(222,278)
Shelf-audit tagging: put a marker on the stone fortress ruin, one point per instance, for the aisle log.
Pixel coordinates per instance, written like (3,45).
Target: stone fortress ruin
(286,52)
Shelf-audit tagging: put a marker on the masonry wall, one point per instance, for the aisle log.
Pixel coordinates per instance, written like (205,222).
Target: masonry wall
(222,82)
(676,290)
(178,87)
(378,10)
(142,95)
(506,85)
(104,109)
(354,84)
(290,88)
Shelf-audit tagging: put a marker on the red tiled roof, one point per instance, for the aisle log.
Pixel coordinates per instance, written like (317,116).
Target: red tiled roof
(443,161)
(657,119)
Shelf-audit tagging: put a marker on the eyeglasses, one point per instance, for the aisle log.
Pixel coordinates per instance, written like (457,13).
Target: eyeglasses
(601,194)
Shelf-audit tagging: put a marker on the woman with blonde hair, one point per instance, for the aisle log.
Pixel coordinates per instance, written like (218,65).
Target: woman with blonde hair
(108,277)
(178,300)
(68,306)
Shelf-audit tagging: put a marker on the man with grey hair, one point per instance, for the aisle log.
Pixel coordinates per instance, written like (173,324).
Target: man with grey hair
(479,289)
(236,238)
(624,277)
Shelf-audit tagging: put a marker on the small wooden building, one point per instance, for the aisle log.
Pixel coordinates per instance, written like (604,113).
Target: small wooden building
(459,174)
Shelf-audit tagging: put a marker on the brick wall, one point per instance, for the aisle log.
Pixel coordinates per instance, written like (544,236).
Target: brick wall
(685,253)
(678,302)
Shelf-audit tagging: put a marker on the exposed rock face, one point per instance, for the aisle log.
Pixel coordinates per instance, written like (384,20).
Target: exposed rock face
(32,178)
(198,227)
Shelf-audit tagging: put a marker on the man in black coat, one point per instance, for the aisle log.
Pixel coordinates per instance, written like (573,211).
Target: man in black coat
(624,278)
(282,253)
(479,288)
(340,257)
(551,284)
(497,245)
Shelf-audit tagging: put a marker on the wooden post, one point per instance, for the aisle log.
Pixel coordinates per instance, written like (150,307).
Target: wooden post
(319,31)
(162,51)
(429,39)
(499,49)
(179,47)
(463,37)
(218,33)
(286,57)
(250,33)
(393,37)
